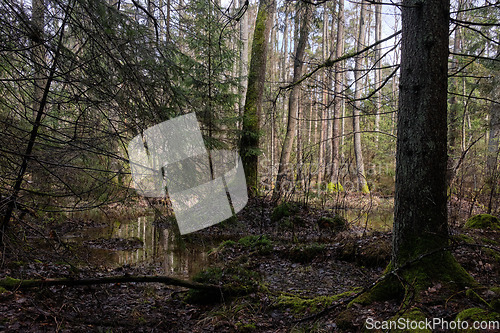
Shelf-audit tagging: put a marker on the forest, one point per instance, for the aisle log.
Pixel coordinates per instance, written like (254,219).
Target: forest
(364,142)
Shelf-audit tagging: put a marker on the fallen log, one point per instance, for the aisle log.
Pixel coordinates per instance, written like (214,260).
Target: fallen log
(14,284)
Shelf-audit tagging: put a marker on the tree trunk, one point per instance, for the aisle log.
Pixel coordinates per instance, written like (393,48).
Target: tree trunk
(358,152)
(378,58)
(324,110)
(493,147)
(420,218)
(453,129)
(420,235)
(249,144)
(284,171)
(243,69)
(339,85)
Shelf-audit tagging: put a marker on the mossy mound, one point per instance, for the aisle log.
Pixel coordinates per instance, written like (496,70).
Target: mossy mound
(483,221)
(291,222)
(475,315)
(345,320)
(236,280)
(284,209)
(440,267)
(302,305)
(261,244)
(495,301)
(374,253)
(336,223)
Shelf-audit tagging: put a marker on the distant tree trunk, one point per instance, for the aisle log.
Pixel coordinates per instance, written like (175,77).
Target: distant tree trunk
(493,147)
(378,58)
(324,100)
(167,21)
(358,152)
(249,144)
(243,69)
(38,56)
(283,171)
(453,129)
(339,80)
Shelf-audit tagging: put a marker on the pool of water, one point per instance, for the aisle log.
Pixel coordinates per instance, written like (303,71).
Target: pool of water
(162,248)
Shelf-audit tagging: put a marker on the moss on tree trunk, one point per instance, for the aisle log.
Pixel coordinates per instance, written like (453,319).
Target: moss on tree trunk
(249,144)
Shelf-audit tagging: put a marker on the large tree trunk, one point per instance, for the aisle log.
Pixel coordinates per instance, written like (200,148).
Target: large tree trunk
(358,152)
(420,232)
(249,144)
(284,171)
(420,218)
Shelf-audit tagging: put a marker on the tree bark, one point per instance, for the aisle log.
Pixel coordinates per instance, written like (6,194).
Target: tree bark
(324,107)
(284,170)
(378,58)
(243,69)
(420,218)
(358,151)
(339,84)
(453,129)
(493,147)
(249,144)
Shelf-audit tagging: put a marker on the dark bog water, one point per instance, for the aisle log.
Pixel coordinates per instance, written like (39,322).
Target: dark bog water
(117,243)
(379,220)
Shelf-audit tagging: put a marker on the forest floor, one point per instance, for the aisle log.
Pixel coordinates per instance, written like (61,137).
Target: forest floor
(295,271)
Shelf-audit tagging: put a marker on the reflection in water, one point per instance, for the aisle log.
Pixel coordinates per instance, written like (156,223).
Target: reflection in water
(379,220)
(160,245)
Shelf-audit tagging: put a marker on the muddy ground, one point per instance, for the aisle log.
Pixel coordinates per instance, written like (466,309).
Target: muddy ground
(294,272)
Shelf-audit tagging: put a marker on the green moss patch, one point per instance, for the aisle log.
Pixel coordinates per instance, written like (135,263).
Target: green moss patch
(475,314)
(262,244)
(440,267)
(483,221)
(236,280)
(336,223)
(463,239)
(9,283)
(390,288)
(284,209)
(302,305)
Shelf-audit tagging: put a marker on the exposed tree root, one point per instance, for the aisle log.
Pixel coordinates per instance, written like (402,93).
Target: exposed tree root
(14,284)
